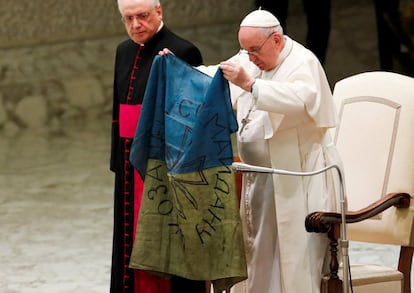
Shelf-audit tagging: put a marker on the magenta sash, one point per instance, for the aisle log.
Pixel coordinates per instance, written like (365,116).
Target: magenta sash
(128,119)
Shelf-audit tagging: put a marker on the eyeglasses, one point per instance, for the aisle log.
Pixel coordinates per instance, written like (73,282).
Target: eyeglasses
(128,19)
(255,52)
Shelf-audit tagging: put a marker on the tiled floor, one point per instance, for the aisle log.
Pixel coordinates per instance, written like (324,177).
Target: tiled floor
(56,212)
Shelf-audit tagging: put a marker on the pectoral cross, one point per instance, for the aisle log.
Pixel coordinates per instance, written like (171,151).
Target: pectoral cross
(245,121)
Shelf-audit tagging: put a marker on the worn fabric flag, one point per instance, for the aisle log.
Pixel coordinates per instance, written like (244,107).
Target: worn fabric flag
(189,222)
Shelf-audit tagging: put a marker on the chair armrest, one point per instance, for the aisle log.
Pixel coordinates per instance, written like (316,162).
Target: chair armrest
(322,222)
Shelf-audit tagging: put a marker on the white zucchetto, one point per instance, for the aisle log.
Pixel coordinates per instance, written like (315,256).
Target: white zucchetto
(260,18)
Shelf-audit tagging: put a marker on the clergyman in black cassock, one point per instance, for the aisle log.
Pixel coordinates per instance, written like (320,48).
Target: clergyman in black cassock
(133,60)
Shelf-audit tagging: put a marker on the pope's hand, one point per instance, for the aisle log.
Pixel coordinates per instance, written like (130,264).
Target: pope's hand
(165,51)
(236,74)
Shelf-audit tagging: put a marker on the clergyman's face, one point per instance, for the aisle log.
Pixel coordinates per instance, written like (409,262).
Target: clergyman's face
(142,20)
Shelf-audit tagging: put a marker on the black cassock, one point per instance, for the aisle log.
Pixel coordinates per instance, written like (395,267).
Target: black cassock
(132,67)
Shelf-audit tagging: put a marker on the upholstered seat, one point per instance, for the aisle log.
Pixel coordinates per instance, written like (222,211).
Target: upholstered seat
(373,278)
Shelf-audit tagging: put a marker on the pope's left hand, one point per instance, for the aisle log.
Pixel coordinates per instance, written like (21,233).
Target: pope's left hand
(236,74)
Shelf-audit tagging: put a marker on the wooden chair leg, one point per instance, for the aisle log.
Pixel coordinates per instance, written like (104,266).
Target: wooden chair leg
(334,282)
(404,266)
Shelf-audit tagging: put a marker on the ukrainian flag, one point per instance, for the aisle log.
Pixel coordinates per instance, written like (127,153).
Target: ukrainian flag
(189,222)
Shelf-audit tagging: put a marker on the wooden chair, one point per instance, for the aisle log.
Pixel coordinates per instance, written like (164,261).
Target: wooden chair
(375,139)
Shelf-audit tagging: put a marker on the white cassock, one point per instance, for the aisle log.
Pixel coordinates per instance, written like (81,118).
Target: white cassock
(286,129)
(283,124)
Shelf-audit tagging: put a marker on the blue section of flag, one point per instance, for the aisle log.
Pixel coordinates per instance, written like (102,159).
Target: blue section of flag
(186,119)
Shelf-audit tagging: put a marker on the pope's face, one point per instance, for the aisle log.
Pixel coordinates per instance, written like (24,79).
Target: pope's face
(263,50)
(141,19)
